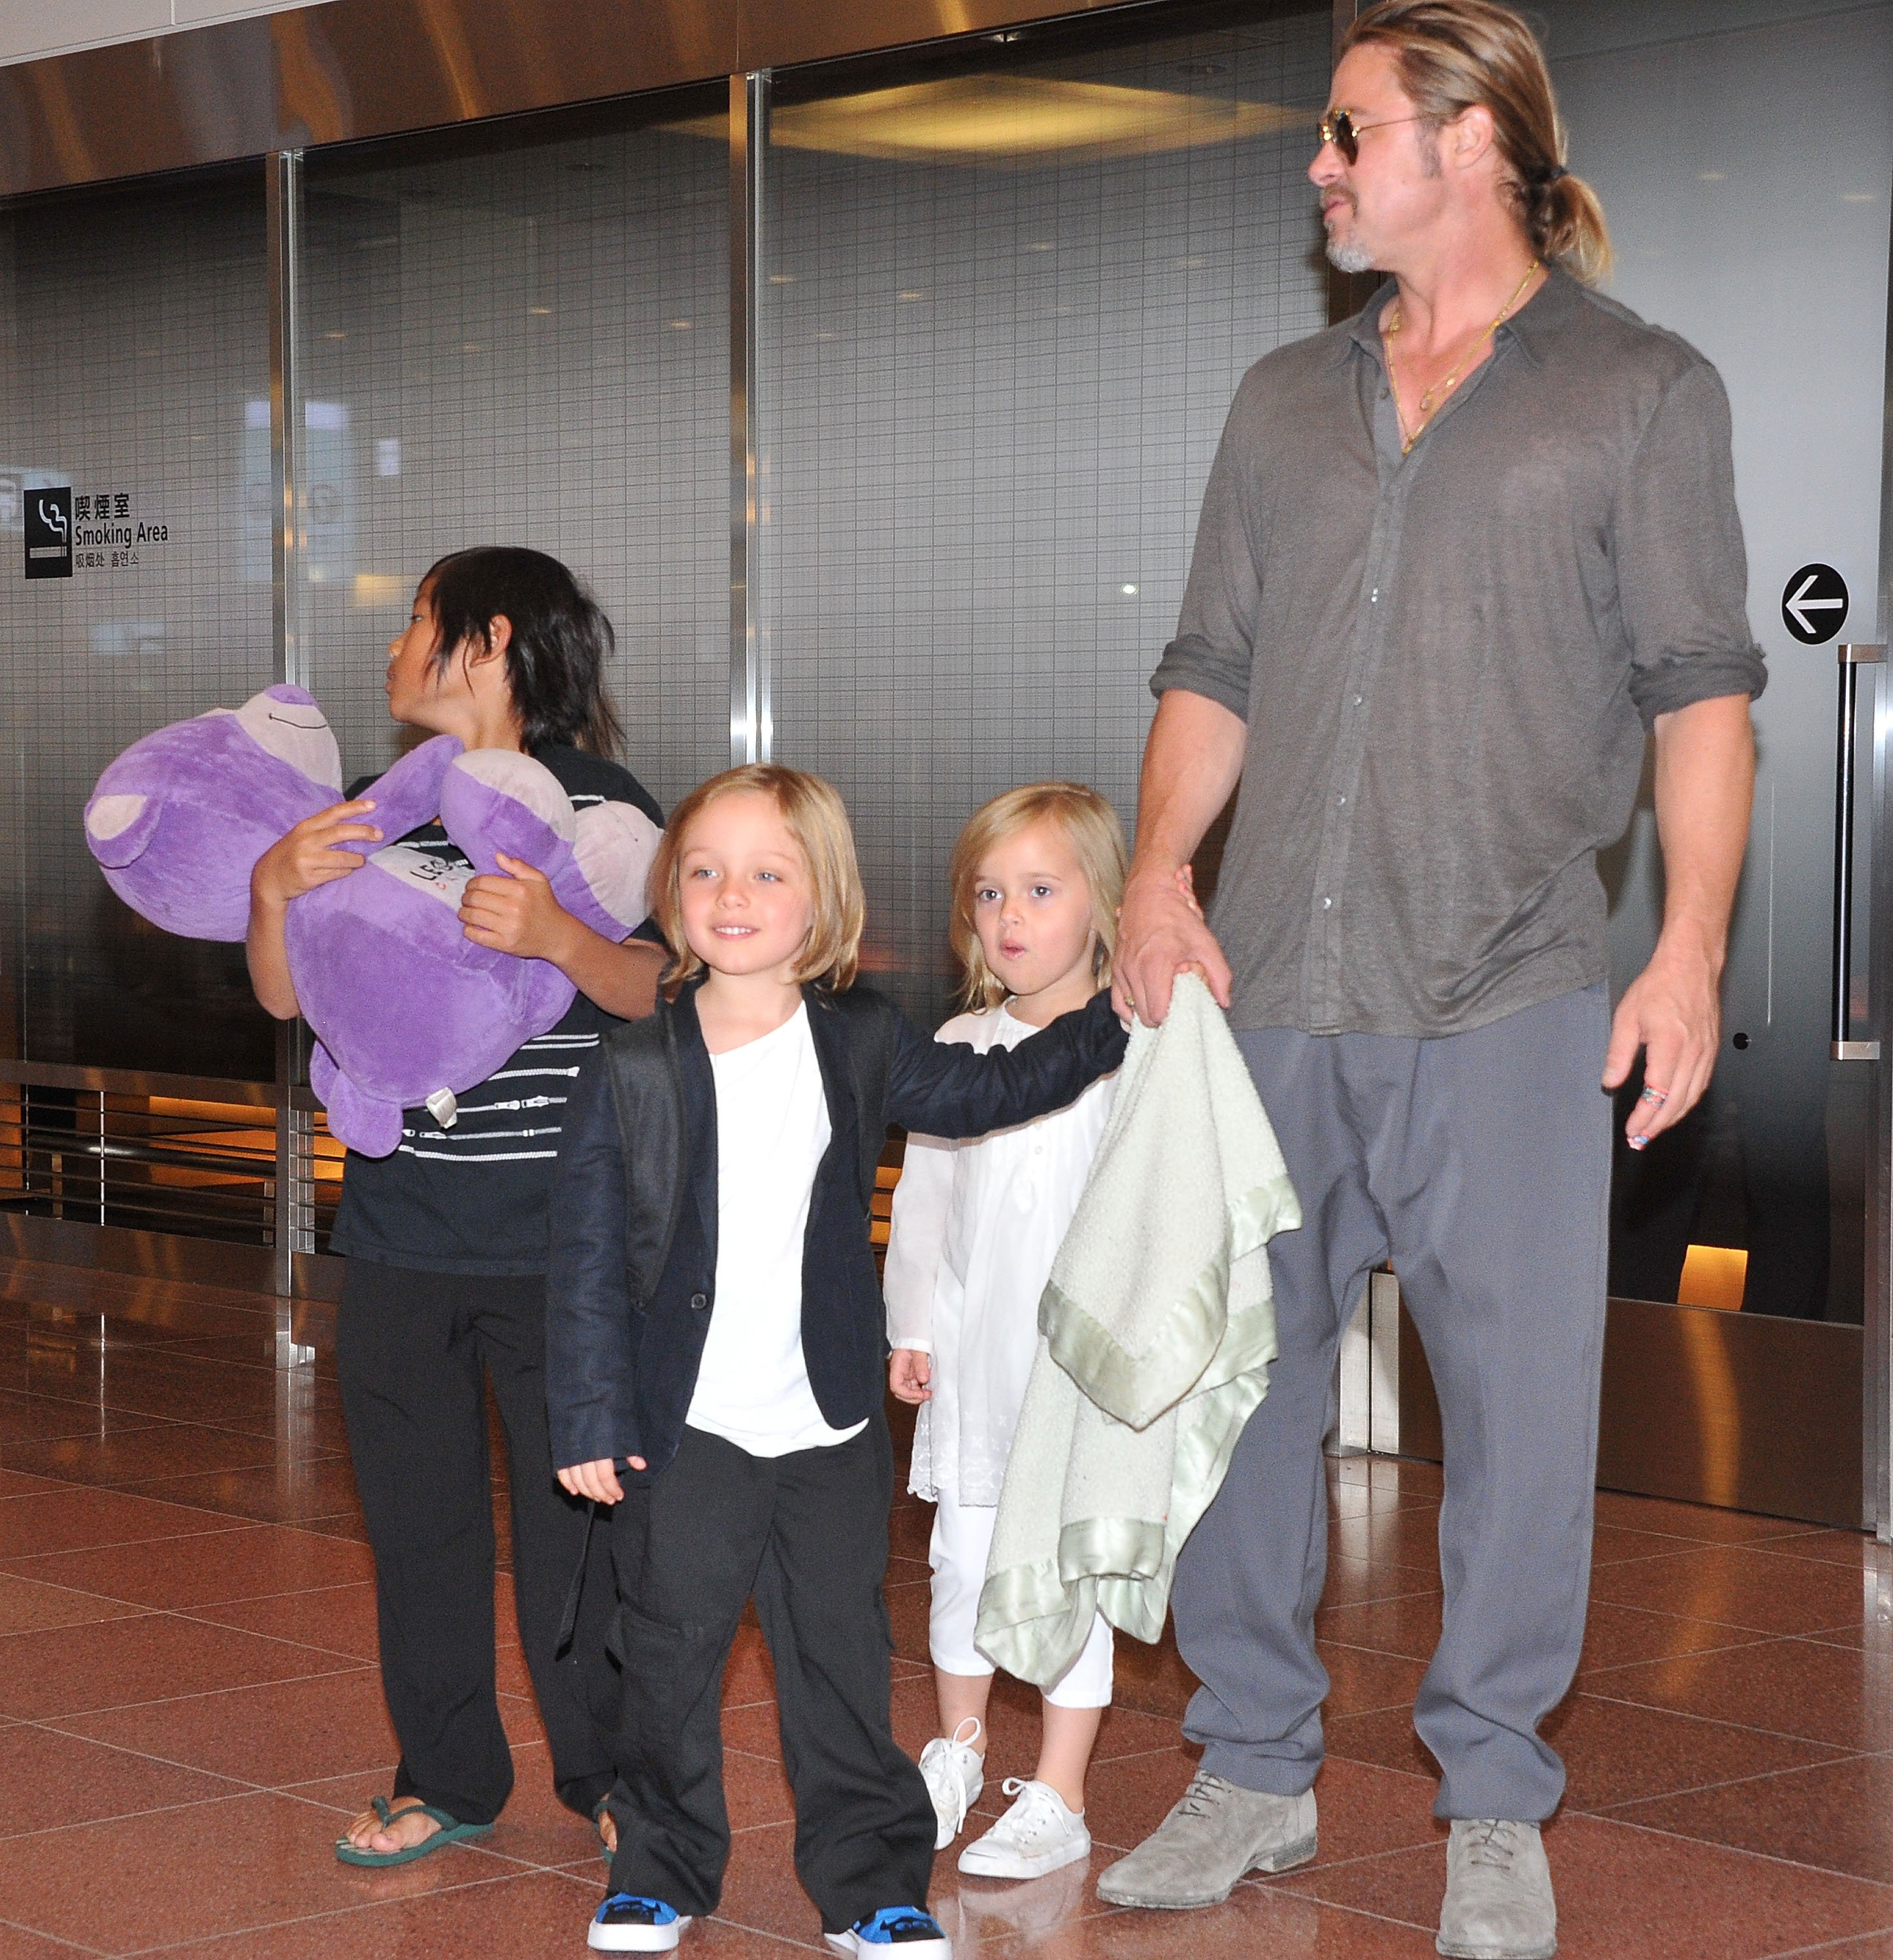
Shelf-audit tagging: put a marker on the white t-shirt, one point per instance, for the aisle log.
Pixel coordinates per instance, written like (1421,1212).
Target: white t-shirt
(772,1127)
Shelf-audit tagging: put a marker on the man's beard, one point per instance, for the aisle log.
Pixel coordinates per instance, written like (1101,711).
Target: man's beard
(1344,254)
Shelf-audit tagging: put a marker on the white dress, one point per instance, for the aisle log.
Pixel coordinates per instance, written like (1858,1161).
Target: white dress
(975,1227)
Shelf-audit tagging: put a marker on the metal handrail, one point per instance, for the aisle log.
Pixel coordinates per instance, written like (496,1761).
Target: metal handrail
(138,1081)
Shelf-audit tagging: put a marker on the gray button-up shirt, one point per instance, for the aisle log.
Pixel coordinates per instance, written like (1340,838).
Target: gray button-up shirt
(1447,661)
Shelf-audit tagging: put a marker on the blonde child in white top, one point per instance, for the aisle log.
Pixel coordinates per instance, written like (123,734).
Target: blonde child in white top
(1037,876)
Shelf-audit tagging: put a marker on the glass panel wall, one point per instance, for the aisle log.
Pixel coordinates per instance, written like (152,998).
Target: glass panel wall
(521,335)
(1766,249)
(133,336)
(1008,298)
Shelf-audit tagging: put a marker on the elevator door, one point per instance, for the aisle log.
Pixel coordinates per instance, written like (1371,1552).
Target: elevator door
(1746,173)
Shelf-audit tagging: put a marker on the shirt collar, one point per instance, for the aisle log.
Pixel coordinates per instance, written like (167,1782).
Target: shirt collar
(1533,326)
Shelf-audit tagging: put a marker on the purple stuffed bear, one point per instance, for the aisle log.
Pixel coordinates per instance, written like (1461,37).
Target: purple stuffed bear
(393,929)
(407,1010)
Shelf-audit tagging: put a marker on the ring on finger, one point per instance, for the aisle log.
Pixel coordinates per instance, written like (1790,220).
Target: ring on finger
(1649,1094)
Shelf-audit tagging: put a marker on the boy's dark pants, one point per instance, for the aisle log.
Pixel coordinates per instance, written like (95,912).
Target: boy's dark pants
(806,1536)
(415,1351)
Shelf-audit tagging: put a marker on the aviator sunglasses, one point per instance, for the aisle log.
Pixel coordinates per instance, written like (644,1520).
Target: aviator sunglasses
(1339,128)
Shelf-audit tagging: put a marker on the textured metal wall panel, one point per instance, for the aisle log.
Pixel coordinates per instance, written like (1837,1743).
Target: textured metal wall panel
(1748,1411)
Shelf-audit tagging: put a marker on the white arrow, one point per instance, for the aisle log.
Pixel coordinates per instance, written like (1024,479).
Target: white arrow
(1801,605)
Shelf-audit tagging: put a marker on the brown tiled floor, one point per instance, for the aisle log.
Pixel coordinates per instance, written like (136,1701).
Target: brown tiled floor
(189,1708)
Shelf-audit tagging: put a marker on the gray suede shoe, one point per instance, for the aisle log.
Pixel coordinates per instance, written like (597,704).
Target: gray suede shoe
(1216,1834)
(1499,1905)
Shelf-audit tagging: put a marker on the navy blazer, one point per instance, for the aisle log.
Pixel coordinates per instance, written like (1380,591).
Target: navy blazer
(632,1282)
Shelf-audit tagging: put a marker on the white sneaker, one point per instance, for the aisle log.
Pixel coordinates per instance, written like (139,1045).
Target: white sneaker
(955,1774)
(1037,1835)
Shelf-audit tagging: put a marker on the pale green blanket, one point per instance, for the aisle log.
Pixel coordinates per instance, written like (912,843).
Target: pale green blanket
(1158,1330)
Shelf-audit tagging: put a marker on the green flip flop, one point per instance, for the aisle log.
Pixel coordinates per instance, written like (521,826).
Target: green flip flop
(452,1831)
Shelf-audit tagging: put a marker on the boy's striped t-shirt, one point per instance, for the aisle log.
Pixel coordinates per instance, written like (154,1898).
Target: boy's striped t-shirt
(472,1198)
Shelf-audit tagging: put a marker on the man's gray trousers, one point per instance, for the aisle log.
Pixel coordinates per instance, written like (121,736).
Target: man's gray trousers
(1480,1164)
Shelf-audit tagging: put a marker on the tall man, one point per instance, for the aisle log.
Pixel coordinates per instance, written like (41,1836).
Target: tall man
(1456,557)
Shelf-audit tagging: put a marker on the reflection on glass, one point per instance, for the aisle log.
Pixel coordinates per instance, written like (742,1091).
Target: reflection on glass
(1760,251)
(521,335)
(1006,309)
(124,371)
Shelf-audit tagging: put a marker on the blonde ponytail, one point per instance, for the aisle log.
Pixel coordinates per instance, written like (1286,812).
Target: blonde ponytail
(1565,225)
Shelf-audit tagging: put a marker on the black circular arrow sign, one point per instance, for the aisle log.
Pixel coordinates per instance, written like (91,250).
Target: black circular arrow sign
(1814,604)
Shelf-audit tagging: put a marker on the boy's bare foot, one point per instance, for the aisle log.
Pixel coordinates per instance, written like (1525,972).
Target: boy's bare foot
(408,1824)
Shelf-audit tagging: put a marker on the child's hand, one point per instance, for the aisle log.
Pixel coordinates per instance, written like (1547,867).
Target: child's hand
(309,856)
(1186,890)
(908,1373)
(517,914)
(597,1480)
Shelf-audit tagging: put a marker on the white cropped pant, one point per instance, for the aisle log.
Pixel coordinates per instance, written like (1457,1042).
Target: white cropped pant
(962,1538)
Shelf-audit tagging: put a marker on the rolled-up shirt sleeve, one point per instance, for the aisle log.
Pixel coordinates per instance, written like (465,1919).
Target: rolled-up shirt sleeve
(1682,571)
(1216,630)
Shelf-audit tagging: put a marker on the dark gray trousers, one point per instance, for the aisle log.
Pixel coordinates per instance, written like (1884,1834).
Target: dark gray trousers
(1480,1164)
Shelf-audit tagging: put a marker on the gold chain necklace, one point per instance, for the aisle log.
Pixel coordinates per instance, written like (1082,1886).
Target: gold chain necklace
(1442,389)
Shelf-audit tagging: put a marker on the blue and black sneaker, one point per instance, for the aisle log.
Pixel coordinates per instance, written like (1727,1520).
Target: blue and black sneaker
(627,1923)
(894,1932)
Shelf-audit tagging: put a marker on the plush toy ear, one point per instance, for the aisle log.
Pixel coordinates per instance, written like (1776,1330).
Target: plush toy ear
(611,857)
(495,799)
(118,828)
(372,1128)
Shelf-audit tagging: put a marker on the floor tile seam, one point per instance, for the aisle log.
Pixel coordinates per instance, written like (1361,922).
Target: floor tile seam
(1332,1754)
(1718,1544)
(313,1526)
(1756,1637)
(1615,1811)
(768,1932)
(1883,1886)
(1373,1654)
(1823,1637)
(1783,1548)
(308,1918)
(1722,1722)
(48,1398)
(203,1693)
(1835,1945)
(196,1615)
(195,1606)
(129,1484)
(53,1939)
(1379,1564)
(1286,1882)
(1385,1599)
(226,1522)
(117,1816)
(1612,1811)
(1747,1728)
